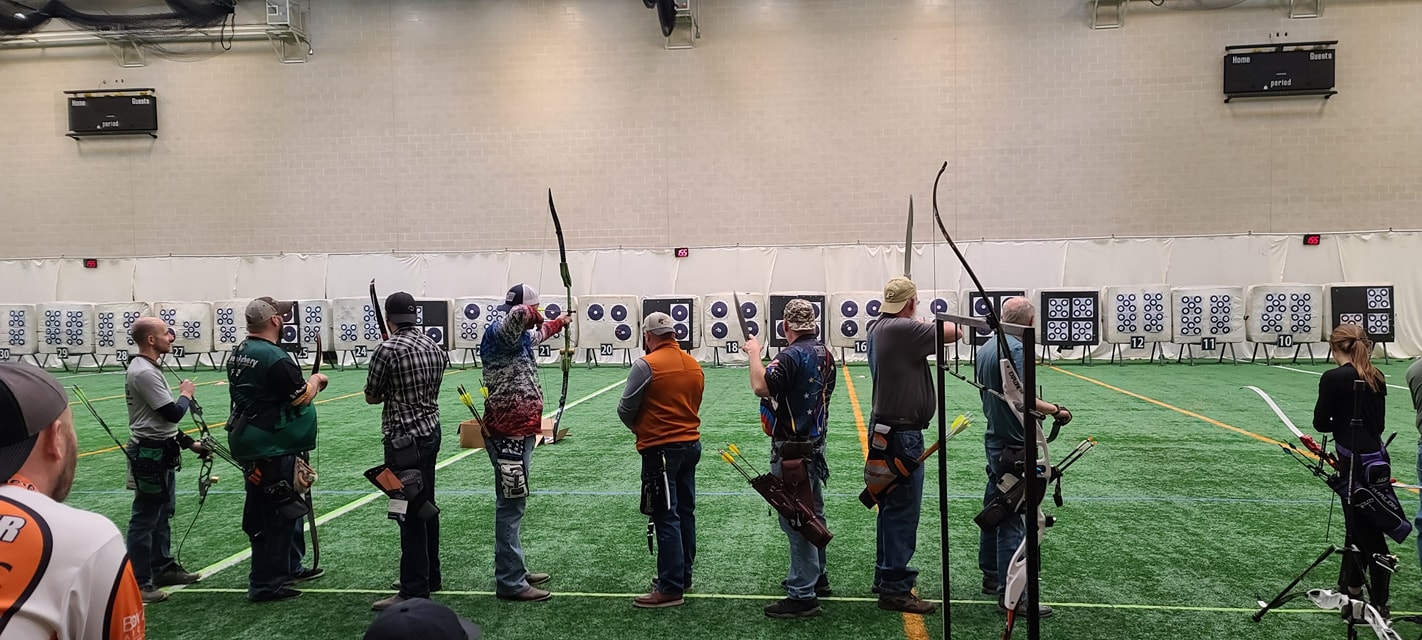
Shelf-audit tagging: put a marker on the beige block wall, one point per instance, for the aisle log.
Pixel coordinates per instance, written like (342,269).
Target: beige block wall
(426,125)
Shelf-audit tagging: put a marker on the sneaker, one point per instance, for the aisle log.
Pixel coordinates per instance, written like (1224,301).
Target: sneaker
(990,586)
(907,603)
(305,575)
(152,594)
(657,585)
(657,600)
(434,587)
(1043,611)
(791,608)
(284,593)
(381,605)
(535,579)
(530,594)
(174,575)
(822,587)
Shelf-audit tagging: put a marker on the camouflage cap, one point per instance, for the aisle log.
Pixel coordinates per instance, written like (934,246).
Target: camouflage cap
(800,316)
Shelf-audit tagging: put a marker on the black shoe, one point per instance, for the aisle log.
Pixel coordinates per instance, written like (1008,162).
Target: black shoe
(990,586)
(1384,611)
(284,593)
(1043,611)
(790,608)
(435,587)
(305,575)
(822,587)
(907,603)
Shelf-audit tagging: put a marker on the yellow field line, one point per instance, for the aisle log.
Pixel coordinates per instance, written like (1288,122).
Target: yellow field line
(914,628)
(200,384)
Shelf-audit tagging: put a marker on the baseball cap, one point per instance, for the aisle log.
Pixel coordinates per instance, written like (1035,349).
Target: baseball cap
(400,308)
(421,618)
(658,323)
(897,294)
(800,315)
(30,401)
(519,294)
(265,308)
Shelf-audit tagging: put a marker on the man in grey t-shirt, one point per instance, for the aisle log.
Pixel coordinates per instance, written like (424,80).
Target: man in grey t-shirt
(1414,384)
(904,403)
(155,442)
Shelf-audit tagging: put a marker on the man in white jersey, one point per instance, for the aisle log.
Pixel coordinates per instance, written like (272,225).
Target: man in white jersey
(154,445)
(63,571)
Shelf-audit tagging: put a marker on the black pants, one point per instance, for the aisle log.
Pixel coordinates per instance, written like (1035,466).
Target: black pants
(278,545)
(419,539)
(1370,540)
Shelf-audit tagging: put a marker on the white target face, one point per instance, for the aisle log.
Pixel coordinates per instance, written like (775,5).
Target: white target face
(191,324)
(1142,312)
(20,337)
(850,315)
(471,317)
(1276,310)
(66,328)
(1379,298)
(1208,312)
(229,324)
(113,323)
(609,322)
(315,321)
(718,319)
(353,325)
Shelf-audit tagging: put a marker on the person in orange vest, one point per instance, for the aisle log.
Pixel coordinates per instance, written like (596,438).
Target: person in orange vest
(661,405)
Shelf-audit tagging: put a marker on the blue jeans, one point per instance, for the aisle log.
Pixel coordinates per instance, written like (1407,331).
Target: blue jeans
(807,562)
(150,537)
(896,534)
(419,539)
(676,527)
(278,543)
(510,573)
(996,546)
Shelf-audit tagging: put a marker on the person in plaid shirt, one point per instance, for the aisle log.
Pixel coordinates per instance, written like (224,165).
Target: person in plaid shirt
(513,417)
(405,374)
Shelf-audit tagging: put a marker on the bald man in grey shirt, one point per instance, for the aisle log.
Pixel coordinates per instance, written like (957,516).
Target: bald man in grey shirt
(154,445)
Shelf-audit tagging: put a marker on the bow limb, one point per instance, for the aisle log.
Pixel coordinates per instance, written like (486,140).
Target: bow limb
(565,361)
(1307,440)
(1354,609)
(908,244)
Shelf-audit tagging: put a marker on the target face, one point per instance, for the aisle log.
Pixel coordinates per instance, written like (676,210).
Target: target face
(851,313)
(191,324)
(433,318)
(66,328)
(777,314)
(472,317)
(1136,315)
(979,305)
(1284,314)
(718,317)
(1206,315)
(608,323)
(290,337)
(1369,306)
(1069,318)
(228,324)
(682,310)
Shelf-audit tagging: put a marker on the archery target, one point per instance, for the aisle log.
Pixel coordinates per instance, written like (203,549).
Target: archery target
(113,321)
(978,306)
(548,351)
(353,326)
(434,318)
(471,317)
(1369,305)
(610,322)
(1069,317)
(934,302)
(776,307)
(229,324)
(719,318)
(66,328)
(1284,314)
(315,322)
(191,323)
(1202,313)
(290,337)
(21,334)
(849,317)
(1137,314)
(683,310)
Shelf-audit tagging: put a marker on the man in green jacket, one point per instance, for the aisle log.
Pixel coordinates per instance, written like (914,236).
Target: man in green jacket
(271,432)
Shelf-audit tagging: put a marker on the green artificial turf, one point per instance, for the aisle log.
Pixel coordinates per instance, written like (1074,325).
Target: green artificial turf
(1170,529)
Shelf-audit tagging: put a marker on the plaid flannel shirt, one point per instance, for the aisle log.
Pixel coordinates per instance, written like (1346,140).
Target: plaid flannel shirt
(407,371)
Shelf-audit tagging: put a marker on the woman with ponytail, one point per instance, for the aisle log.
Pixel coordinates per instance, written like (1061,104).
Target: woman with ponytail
(1356,418)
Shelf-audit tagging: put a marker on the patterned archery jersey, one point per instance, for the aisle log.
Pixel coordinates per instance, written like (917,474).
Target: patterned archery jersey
(67,573)
(514,407)
(801,381)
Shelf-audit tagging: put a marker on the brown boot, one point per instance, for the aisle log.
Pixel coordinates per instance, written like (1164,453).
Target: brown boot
(907,603)
(530,594)
(657,600)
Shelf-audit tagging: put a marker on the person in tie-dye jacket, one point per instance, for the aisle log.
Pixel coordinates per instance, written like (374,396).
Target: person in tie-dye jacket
(513,417)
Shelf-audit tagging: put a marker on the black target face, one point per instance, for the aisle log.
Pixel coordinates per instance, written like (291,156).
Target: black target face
(682,332)
(872,308)
(680,312)
(719,309)
(289,333)
(849,308)
(749,310)
(623,332)
(753,327)
(552,311)
(472,311)
(596,312)
(719,330)
(619,312)
(938,305)
(849,328)
(436,334)
(981,306)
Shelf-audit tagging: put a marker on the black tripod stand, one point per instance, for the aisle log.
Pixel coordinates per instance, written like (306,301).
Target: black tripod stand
(1355,610)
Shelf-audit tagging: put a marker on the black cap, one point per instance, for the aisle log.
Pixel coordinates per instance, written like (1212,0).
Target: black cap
(422,619)
(400,308)
(30,401)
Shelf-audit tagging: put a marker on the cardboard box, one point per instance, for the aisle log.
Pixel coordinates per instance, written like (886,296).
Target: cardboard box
(471,434)
(548,437)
